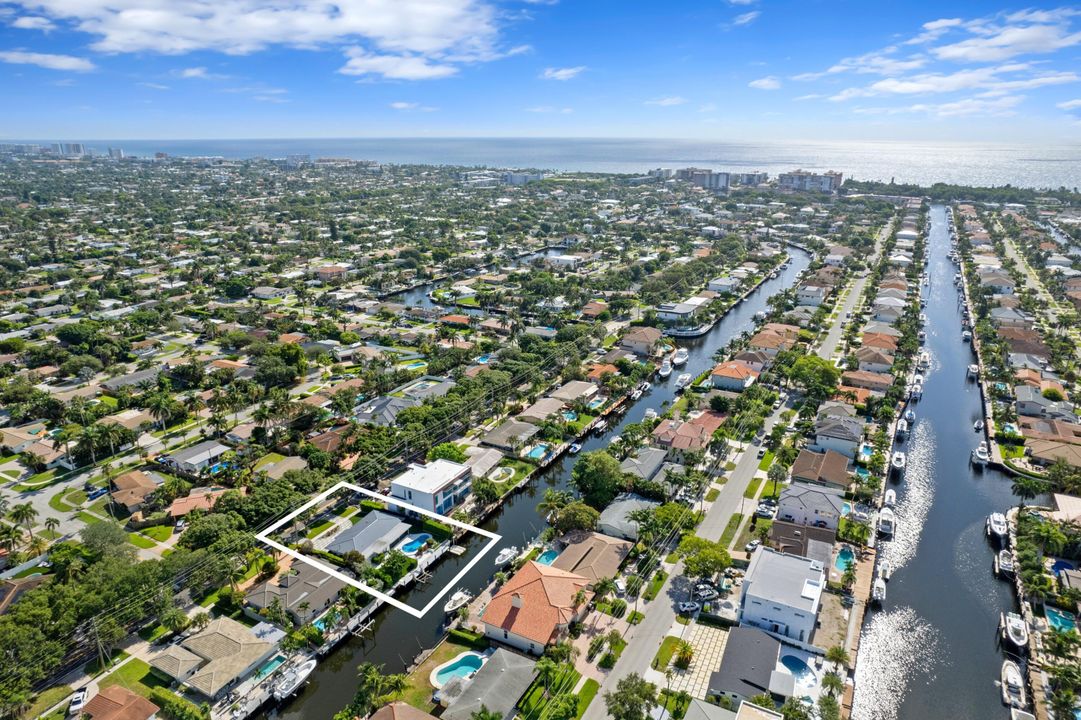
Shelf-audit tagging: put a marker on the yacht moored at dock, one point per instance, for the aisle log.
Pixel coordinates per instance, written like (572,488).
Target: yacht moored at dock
(1004,565)
(887,522)
(902,429)
(890,498)
(997,528)
(898,461)
(981,455)
(683,381)
(878,591)
(292,679)
(973,371)
(665,369)
(1013,685)
(457,600)
(679,357)
(1015,630)
(506,555)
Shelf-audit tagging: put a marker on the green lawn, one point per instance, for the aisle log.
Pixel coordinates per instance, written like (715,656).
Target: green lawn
(521,469)
(655,584)
(136,676)
(752,488)
(586,695)
(534,701)
(45,700)
(1011,452)
(320,529)
(94,667)
(766,460)
(748,532)
(712,494)
(75,497)
(161,533)
(141,542)
(730,529)
(664,653)
(418,692)
(269,459)
(56,502)
(87,517)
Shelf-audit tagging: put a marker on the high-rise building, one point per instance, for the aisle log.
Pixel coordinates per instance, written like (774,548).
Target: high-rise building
(806,181)
(703,178)
(116,153)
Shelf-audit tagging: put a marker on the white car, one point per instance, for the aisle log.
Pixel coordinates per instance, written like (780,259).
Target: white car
(688,607)
(706,593)
(78,700)
(752,545)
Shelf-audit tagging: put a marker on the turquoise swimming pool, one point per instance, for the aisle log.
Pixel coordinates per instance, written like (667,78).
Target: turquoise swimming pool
(483,359)
(460,667)
(846,508)
(1060,619)
(414,543)
(844,559)
(270,666)
(538,451)
(570,415)
(596,403)
(548,557)
(416,365)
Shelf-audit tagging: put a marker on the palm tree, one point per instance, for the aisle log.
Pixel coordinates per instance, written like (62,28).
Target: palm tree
(833,683)
(1028,488)
(547,669)
(554,501)
(10,536)
(63,438)
(161,406)
(51,524)
(24,514)
(838,656)
(87,441)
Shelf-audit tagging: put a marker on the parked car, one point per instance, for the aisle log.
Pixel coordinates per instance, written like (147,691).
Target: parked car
(752,545)
(689,607)
(764,511)
(761,453)
(78,700)
(707,593)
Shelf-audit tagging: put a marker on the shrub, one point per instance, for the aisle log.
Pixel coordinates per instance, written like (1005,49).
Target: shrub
(175,707)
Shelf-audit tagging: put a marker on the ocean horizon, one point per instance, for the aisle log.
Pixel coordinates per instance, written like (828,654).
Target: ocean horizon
(925,162)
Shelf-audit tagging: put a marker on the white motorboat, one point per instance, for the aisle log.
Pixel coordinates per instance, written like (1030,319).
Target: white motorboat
(651,414)
(923,319)
(997,527)
(457,600)
(292,679)
(1015,630)
(1004,565)
(884,570)
(575,448)
(902,429)
(878,591)
(916,391)
(645,386)
(910,416)
(921,336)
(600,427)
(506,555)
(973,371)
(1013,685)
(683,381)
(665,369)
(917,379)
(891,498)
(966,336)
(635,394)
(887,521)
(978,426)
(925,360)
(679,357)
(981,455)
(897,462)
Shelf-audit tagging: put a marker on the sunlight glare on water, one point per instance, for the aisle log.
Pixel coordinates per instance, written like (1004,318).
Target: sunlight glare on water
(896,647)
(916,493)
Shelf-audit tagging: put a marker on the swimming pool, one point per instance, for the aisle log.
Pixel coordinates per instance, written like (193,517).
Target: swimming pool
(806,679)
(416,365)
(414,543)
(570,415)
(270,666)
(538,451)
(1059,565)
(846,508)
(596,403)
(1010,429)
(460,667)
(548,557)
(1060,619)
(844,559)
(866,451)
(482,359)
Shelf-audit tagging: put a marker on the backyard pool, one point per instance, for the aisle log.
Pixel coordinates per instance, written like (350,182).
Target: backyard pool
(844,558)
(538,451)
(270,666)
(482,359)
(1060,565)
(866,451)
(1010,429)
(460,667)
(415,365)
(570,415)
(1060,619)
(414,543)
(596,403)
(806,679)
(846,508)
(548,557)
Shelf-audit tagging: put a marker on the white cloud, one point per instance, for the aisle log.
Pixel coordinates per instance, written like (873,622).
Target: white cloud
(989,79)
(193,72)
(550,109)
(667,101)
(1069,105)
(999,107)
(404,105)
(746,18)
(742,2)
(410,39)
(154,86)
(33,22)
(1009,42)
(567,73)
(767,83)
(394,67)
(47,60)
(934,30)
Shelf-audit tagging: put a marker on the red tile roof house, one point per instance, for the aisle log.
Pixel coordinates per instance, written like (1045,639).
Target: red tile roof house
(535,607)
(875,382)
(733,375)
(597,372)
(681,437)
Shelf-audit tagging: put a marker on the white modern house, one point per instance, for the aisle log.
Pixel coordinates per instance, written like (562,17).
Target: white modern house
(781,594)
(437,486)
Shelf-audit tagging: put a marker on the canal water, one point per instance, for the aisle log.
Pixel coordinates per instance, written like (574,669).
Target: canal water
(932,651)
(397,638)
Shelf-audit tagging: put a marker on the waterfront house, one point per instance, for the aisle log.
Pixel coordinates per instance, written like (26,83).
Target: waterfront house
(200,498)
(438,486)
(781,594)
(733,375)
(681,437)
(838,433)
(680,312)
(749,667)
(375,533)
(878,382)
(545,408)
(535,607)
(574,391)
(879,341)
(641,340)
(725,285)
(399,710)
(199,457)
(754,359)
(829,468)
(512,435)
(645,464)
(496,687)
(302,591)
(597,372)
(874,360)
(615,519)
(592,555)
(118,703)
(814,505)
(772,342)
(811,295)
(221,655)
(1046,452)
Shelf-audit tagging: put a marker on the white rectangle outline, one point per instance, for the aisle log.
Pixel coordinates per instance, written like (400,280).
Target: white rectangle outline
(265,537)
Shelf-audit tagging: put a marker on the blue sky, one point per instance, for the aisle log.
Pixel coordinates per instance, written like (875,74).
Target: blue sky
(733,70)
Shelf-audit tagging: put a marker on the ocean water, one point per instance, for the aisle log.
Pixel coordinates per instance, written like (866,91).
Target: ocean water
(984,164)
